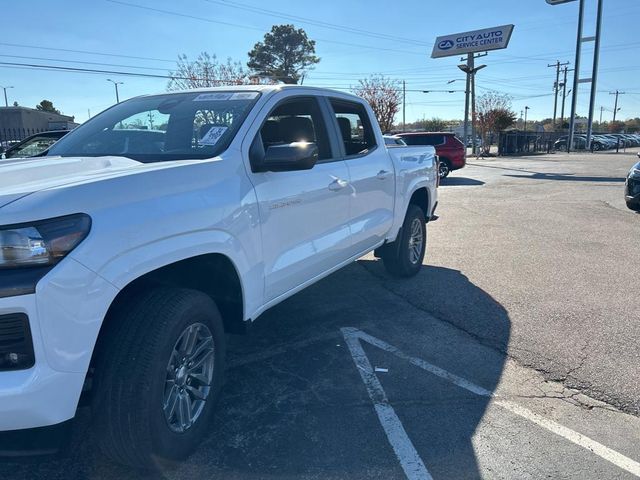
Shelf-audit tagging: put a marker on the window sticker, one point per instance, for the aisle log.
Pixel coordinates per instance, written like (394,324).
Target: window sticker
(244,96)
(212,136)
(217,96)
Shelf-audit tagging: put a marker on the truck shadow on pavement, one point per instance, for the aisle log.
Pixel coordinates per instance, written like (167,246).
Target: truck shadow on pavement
(294,405)
(568,177)
(460,182)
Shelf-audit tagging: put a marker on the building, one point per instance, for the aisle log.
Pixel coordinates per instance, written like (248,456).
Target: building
(17,123)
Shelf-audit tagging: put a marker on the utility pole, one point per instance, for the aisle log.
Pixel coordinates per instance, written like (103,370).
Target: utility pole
(470,69)
(565,94)
(556,87)
(600,122)
(116,85)
(615,108)
(404,105)
(6,103)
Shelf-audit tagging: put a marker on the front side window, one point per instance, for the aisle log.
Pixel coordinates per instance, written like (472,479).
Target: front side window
(296,120)
(182,126)
(355,128)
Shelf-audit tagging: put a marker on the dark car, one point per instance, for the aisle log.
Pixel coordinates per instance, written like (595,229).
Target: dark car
(632,188)
(449,149)
(34,145)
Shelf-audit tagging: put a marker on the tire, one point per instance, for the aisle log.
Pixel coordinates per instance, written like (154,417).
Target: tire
(400,257)
(633,206)
(133,371)
(444,169)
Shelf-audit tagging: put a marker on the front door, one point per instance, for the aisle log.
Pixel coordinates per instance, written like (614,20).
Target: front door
(303,214)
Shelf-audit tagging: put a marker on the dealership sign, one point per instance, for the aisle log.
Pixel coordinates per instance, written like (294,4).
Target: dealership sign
(494,38)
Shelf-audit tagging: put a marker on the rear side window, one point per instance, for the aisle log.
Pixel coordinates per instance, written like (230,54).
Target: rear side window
(424,139)
(296,120)
(354,127)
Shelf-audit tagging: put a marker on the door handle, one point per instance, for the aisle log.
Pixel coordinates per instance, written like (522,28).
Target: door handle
(382,174)
(338,184)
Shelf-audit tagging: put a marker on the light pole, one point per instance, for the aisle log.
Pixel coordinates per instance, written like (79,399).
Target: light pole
(526,109)
(115,84)
(6,103)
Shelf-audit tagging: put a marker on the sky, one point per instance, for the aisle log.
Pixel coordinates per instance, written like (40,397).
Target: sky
(354,39)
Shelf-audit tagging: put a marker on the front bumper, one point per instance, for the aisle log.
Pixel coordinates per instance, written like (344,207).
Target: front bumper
(65,314)
(39,396)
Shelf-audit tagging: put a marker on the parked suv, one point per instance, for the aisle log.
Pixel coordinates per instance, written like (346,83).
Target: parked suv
(449,149)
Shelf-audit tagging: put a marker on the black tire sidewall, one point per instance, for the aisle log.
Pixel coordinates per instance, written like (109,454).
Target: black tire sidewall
(396,257)
(413,213)
(168,444)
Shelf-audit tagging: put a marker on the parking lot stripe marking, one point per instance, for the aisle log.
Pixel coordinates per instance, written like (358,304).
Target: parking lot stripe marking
(353,335)
(406,453)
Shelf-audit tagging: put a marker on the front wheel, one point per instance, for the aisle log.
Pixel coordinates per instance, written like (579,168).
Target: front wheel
(159,376)
(403,258)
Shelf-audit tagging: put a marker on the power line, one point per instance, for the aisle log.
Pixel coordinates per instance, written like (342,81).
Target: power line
(220,22)
(318,23)
(88,52)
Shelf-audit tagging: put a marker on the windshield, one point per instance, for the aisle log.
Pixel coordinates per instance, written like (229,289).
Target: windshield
(177,126)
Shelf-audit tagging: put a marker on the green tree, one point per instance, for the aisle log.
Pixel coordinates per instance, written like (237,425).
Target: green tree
(47,106)
(285,54)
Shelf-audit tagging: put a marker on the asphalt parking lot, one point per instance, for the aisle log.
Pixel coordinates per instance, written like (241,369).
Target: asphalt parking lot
(515,352)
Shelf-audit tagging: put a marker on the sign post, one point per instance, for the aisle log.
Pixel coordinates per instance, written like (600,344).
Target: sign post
(469,43)
(576,78)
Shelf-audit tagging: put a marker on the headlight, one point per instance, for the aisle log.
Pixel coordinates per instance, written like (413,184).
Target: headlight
(42,243)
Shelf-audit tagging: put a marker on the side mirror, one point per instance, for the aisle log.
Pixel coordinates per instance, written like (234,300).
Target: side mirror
(290,157)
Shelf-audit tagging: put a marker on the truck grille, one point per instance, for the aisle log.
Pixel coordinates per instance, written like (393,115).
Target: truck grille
(16,346)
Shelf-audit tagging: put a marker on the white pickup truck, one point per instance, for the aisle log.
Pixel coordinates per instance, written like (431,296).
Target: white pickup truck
(146,234)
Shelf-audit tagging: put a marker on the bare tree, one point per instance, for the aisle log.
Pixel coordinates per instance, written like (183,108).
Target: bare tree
(207,71)
(384,95)
(493,114)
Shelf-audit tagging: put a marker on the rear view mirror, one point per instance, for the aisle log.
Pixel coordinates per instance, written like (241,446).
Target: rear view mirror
(290,157)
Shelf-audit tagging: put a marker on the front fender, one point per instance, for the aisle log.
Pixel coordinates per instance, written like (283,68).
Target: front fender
(132,264)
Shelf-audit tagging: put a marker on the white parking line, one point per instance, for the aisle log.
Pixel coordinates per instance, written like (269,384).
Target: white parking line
(409,459)
(404,449)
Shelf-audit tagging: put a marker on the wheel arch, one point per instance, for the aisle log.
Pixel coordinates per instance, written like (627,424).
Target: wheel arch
(214,274)
(420,198)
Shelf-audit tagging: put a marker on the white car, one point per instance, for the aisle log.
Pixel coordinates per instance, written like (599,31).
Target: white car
(168,220)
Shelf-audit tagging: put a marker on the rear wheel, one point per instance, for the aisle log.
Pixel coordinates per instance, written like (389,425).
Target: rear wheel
(158,378)
(443,168)
(403,258)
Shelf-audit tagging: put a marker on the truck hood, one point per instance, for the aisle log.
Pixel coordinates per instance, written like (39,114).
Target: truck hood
(21,177)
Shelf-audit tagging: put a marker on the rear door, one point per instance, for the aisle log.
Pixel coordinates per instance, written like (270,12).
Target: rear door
(371,171)
(303,214)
